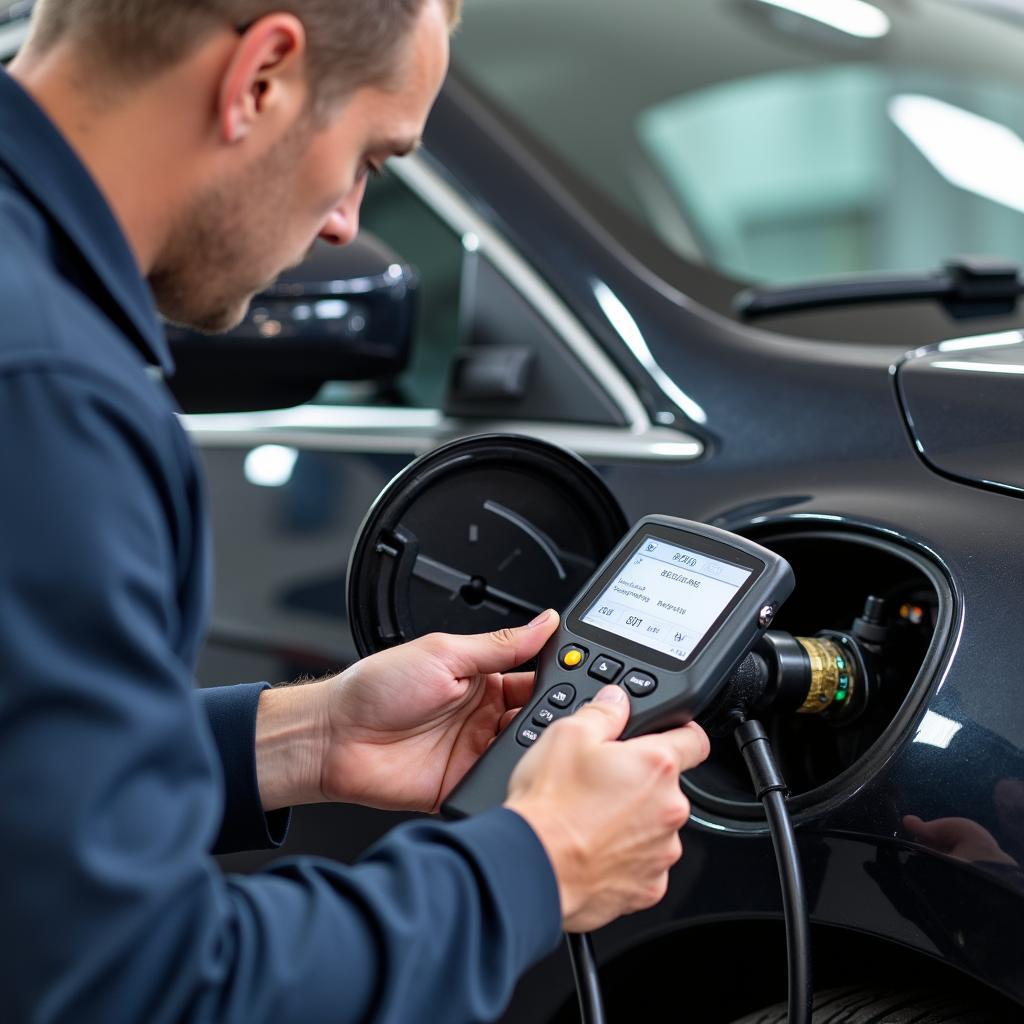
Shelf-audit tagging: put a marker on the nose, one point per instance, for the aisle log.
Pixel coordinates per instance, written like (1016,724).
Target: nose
(343,223)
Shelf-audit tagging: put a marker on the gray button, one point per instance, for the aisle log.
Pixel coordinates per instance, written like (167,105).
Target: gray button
(528,736)
(544,716)
(640,683)
(562,696)
(605,668)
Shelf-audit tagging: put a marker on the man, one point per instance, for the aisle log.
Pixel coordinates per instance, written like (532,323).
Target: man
(186,152)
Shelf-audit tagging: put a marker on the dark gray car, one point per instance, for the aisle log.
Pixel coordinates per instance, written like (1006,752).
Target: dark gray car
(727,240)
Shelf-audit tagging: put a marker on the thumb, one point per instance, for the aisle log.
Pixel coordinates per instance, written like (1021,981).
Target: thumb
(607,714)
(942,833)
(499,651)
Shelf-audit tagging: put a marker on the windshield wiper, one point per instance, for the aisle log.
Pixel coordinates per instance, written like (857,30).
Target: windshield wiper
(967,286)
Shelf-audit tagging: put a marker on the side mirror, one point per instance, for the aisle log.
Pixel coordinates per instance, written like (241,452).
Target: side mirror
(343,314)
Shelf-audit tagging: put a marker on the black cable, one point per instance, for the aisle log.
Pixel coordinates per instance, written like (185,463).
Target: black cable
(584,971)
(794,904)
(771,791)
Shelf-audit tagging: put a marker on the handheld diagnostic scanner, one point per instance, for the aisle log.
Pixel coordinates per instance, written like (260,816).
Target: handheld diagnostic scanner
(668,616)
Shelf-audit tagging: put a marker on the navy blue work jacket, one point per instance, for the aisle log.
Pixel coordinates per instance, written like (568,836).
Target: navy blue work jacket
(117,777)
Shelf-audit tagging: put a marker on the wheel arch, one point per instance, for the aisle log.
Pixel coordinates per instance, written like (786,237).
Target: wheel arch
(716,971)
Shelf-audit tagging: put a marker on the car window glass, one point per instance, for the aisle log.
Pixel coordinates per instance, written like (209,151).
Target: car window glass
(13,26)
(15,10)
(768,145)
(398,217)
(857,168)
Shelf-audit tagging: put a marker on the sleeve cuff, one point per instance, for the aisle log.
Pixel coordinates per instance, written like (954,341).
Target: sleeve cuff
(522,879)
(231,711)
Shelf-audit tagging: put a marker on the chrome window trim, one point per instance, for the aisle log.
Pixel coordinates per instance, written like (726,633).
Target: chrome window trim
(480,237)
(415,431)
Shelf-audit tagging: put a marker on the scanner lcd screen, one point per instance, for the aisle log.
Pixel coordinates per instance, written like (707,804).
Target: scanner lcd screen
(666,597)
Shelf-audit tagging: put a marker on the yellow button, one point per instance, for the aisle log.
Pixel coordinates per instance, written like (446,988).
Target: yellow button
(572,657)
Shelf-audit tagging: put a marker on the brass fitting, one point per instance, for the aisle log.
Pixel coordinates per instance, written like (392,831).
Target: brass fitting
(833,676)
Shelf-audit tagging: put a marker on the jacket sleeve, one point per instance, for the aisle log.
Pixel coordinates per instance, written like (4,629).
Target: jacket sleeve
(231,713)
(112,792)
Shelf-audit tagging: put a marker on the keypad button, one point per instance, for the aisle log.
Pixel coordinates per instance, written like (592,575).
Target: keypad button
(572,656)
(640,683)
(544,716)
(528,736)
(562,696)
(605,668)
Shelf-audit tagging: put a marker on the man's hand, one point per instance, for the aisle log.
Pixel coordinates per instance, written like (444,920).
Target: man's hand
(961,838)
(607,812)
(399,729)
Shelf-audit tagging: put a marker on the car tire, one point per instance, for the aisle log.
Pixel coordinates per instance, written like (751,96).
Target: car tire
(857,1005)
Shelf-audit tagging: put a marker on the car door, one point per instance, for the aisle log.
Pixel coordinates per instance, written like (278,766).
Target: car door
(495,350)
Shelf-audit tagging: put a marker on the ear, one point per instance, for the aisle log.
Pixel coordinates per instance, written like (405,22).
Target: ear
(264,84)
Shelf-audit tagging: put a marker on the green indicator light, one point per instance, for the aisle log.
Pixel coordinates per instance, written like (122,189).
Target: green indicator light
(844,681)
(840,663)
(841,695)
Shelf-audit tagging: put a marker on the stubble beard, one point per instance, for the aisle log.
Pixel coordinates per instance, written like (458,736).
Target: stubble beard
(219,254)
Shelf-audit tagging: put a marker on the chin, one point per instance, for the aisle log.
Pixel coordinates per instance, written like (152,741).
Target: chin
(211,320)
(227,319)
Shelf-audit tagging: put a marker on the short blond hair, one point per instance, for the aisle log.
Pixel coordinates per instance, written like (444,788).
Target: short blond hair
(350,43)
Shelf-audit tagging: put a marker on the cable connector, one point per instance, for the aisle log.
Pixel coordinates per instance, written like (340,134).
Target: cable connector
(753,744)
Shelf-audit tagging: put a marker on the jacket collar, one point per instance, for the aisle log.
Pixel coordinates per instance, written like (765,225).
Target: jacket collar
(46,168)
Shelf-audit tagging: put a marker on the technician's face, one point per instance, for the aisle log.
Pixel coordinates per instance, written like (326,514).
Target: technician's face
(237,237)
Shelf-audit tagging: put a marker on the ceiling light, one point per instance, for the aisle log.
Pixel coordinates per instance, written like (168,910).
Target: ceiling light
(937,730)
(854,17)
(965,367)
(270,465)
(969,151)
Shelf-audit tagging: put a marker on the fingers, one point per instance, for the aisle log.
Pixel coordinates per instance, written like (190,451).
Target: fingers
(912,823)
(958,837)
(607,714)
(688,745)
(499,651)
(517,688)
(1009,797)
(942,833)
(507,718)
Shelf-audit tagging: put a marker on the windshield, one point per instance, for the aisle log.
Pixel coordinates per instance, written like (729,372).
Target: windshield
(768,144)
